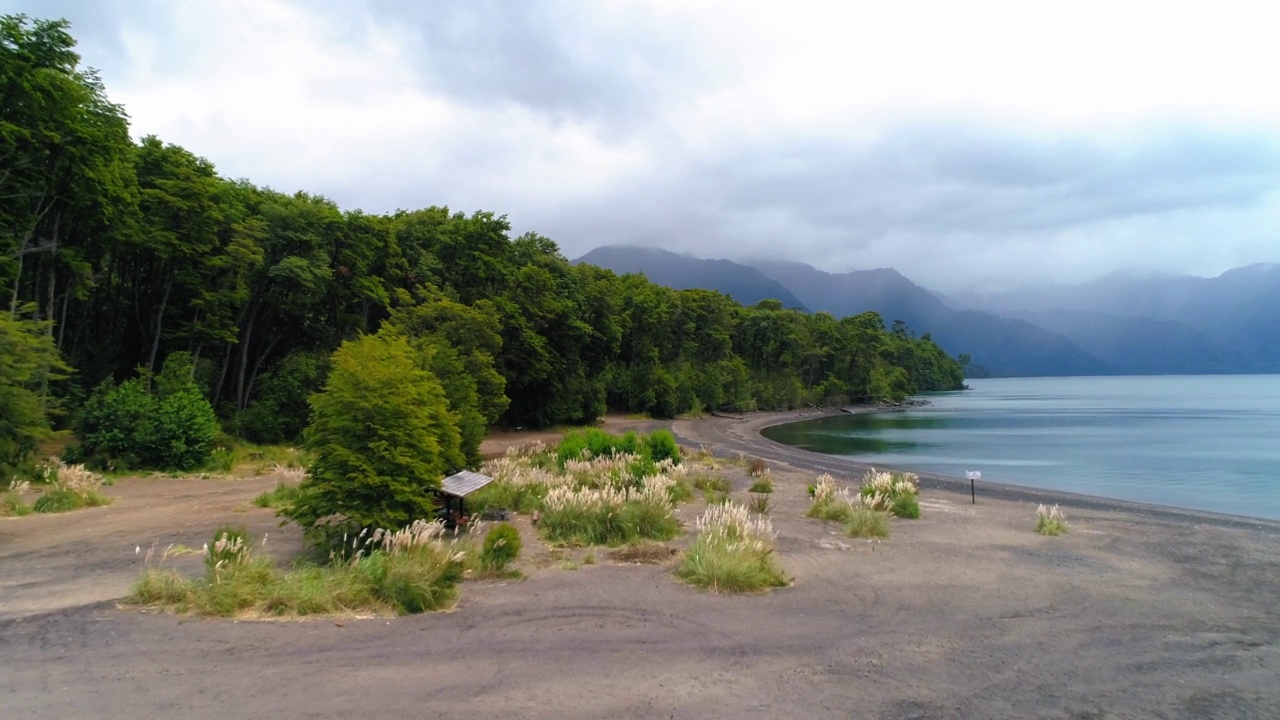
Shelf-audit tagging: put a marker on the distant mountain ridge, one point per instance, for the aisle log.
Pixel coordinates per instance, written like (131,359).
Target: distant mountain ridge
(1235,317)
(743,283)
(1113,325)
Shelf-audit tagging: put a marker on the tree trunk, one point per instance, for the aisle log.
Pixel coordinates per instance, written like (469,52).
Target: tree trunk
(242,370)
(51,290)
(257,365)
(159,326)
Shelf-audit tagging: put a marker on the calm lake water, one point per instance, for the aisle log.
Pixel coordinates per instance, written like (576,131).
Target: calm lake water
(1201,442)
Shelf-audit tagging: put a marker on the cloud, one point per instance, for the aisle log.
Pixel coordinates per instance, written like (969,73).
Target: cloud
(963,144)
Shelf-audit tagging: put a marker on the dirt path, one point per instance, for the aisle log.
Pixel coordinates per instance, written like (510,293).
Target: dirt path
(965,613)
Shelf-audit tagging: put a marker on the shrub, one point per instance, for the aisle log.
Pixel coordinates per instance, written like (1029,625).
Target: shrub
(1050,521)
(501,547)
(761,485)
(650,449)
(732,553)
(661,445)
(865,522)
(133,425)
(381,437)
(278,411)
(757,468)
(180,434)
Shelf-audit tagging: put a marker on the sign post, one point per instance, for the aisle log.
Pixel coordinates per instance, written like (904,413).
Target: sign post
(973,476)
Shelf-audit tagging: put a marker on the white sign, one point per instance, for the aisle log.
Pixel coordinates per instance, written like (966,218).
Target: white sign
(973,475)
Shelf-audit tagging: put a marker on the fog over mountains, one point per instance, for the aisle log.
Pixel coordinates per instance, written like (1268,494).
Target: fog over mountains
(1119,324)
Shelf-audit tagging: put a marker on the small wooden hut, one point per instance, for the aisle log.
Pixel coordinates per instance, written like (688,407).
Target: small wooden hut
(453,492)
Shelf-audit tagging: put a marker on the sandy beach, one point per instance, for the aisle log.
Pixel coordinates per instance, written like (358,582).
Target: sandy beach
(1138,612)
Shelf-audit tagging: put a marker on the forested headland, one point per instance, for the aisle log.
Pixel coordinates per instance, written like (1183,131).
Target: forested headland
(140,281)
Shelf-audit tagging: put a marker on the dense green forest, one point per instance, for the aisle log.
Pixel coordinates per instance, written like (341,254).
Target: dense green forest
(117,256)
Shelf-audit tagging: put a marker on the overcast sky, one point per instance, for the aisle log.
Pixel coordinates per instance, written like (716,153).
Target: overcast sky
(967,144)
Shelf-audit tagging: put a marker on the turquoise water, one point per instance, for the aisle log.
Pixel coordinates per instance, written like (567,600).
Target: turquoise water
(1200,442)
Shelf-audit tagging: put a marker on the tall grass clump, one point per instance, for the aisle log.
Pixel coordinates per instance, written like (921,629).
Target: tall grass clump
(609,515)
(761,485)
(894,493)
(836,504)
(11,504)
(1050,520)
(501,547)
(732,553)
(404,571)
(70,487)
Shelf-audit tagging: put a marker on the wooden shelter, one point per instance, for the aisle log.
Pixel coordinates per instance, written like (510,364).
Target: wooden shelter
(453,492)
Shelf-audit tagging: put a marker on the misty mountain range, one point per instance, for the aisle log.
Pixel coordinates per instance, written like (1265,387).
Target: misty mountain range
(1117,325)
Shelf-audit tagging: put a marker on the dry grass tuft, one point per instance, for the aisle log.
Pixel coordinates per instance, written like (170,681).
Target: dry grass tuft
(643,553)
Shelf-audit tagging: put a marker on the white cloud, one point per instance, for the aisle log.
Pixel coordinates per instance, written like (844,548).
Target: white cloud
(962,143)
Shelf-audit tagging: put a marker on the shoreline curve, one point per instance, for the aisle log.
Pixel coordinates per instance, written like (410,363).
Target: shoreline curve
(742,435)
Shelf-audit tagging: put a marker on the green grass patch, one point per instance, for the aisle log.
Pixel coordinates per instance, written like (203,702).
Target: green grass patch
(282,495)
(761,485)
(732,553)
(63,499)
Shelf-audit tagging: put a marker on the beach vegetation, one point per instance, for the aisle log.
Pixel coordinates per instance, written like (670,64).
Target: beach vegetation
(758,503)
(69,487)
(1050,520)
(761,485)
(894,493)
(834,503)
(411,570)
(501,547)
(733,552)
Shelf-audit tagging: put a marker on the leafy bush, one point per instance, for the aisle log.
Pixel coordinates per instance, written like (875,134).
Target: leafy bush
(652,449)
(180,435)
(732,553)
(170,426)
(661,445)
(1050,521)
(381,437)
(501,547)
